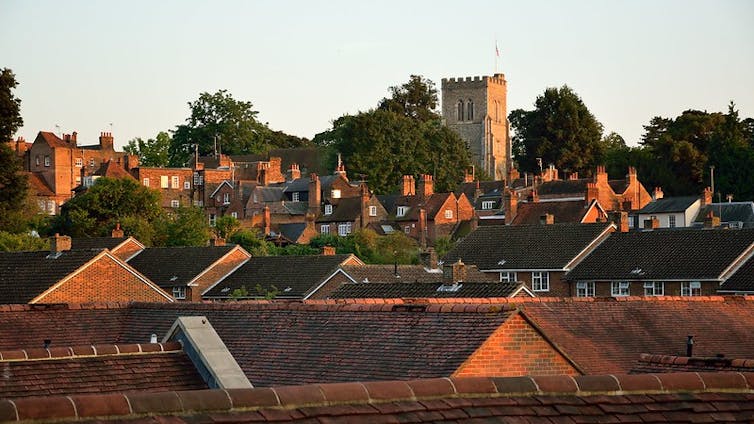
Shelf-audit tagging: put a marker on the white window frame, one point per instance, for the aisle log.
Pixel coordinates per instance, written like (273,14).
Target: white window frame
(47,160)
(344,229)
(294,196)
(179,292)
(540,281)
(175,182)
(324,229)
(585,289)
(91,162)
(401,211)
(187,185)
(654,288)
(145,182)
(328,209)
(407,230)
(620,288)
(36,160)
(671,221)
(448,214)
(488,204)
(373,211)
(335,193)
(164,181)
(691,288)
(226,198)
(234,214)
(175,203)
(508,277)
(79,162)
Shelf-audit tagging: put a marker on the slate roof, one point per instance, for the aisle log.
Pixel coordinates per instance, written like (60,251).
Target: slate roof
(347,210)
(673,254)
(525,247)
(26,275)
(292,231)
(488,188)
(176,266)
(409,274)
(669,205)
(96,242)
(564,211)
(742,280)
(563,188)
(729,212)
(666,363)
(104,369)
(294,276)
(424,290)
(678,397)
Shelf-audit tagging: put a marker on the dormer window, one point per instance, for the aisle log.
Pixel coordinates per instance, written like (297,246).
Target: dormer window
(401,211)
(294,196)
(373,211)
(335,193)
(488,204)
(226,198)
(328,209)
(47,161)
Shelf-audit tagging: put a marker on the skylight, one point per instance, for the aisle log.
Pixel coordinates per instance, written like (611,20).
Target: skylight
(450,287)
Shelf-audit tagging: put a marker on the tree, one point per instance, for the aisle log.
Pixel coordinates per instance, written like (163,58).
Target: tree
(10,106)
(14,187)
(415,99)
(153,152)
(10,242)
(226,226)
(186,226)
(559,131)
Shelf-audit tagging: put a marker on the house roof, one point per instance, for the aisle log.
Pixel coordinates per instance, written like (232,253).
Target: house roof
(672,254)
(409,274)
(677,397)
(488,188)
(38,184)
(618,186)
(290,276)
(424,290)
(729,212)
(52,139)
(669,204)
(112,169)
(292,231)
(742,280)
(97,242)
(525,247)
(607,335)
(563,188)
(563,211)
(347,209)
(667,363)
(98,369)
(176,266)
(26,275)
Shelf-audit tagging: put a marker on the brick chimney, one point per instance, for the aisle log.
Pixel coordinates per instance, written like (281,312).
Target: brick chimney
(631,176)
(510,199)
(477,191)
(364,205)
(550,174)
(422,227)
(408,188)
(711,221)
(117,231)
(216,241)
(547,219)
(651,223)
(60,243)
(266,220)
(468,177)
(106,141)
(592,192)
(601,176)
(425,187)
(315,194)
(328,251)
(341,168)
(429,258)
(295,171)
(706,197)
(620,219)
(533,196)
(574,176)
(658,194)
(512,175)
(454,273)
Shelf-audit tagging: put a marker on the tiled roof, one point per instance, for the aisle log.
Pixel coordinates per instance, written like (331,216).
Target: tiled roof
(680,397)
(409,274)
(52,139)
(96,242)
(525,247)
(666,363)
(729,212)
(346,210)
(563,211)
(672,254)
(292,231)
(742,281)
(563,188)
(25,275)
(112,169)
(97,369)
(174,266)
(669,204)
(424,290)
(293,276)
(38,185)
(489,188)
(608,335)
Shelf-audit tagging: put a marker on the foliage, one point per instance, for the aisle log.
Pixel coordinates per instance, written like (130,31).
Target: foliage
(560,131)
(253,241)
(415,99)
(186,226)
(370,247)
(239,293)
(10,106)
(443,246)
(396,247)
(153,152)
(14,187)
(226,226)
(10,242)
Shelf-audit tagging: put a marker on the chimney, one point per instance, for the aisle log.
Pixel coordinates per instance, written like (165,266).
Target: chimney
(315,194)
(328,251)
(620,219)
(341,168)
(711,221)
(74,138)
(651,223)
(592,192)
(601,176)
(511,205)
(295,172)
(364,205)
(512,175)
(706,197)
(533,196)
(468,177)
(658,194)
(550,174)
(429,258)
(216,241)
(477,191)
(547,219)
(117,231)
(689,346)
(60,243)
(455,272)
(425,187)
(422,227)
(408,186)
(574,176)
(266,220)
(631,176)
(106,141)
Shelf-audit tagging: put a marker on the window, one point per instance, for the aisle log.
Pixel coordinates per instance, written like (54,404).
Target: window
(256,199)
(324,229)
(198,179)
(344,229)
(540,281)
(654,288)
(234,214)
(373,211)
(508,277)
(164,181)
(335,193)
(328,209)
(179,292)
(401,211)
(585,289)
(407,230)
(175,182)
(470,110)
(36,160)
(448,214)
(459,110)
(619,288)
(91,163)
(294,196)
(79,162)
(671,221)
(226,198)
(187,185)
(692,288)
(212,220)
(78,180)
(145,181)
(488,204)
(47,160)
(174,204)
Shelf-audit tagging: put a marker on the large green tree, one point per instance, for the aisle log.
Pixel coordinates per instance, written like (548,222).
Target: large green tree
(10,106)
(152,152)
(14,187)
(560,130)
(403,136)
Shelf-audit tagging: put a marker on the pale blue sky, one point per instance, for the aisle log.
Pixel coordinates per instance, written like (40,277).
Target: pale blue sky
(85,64)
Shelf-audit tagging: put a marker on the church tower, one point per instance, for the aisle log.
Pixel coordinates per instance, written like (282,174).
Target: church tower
(476,109)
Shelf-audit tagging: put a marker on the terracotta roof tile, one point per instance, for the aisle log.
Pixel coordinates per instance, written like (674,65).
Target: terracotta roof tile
(424,290)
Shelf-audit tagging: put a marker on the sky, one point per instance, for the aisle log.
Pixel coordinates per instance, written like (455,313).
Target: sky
(131,67)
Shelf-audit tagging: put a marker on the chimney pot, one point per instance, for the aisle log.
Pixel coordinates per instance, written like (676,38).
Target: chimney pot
(117,231)
(328,251)
(60,243)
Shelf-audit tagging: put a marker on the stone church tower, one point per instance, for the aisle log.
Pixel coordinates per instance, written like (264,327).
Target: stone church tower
(476,108)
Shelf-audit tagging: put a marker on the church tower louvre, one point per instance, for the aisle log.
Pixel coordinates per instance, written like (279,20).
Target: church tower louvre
(476,108)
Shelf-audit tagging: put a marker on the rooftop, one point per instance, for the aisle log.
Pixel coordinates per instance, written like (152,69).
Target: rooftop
(175,266)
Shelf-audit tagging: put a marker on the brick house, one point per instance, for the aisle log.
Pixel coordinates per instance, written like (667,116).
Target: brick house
(176,185)
(537,255)
(186,272)
(62,275)
(342,216)
(678,262)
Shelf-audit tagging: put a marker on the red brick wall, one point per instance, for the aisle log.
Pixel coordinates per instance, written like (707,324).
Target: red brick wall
(558,286)
(219,270)
(168,194)
(103,281)
(636,288)
(515,349)
(127,250)
(330,286)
